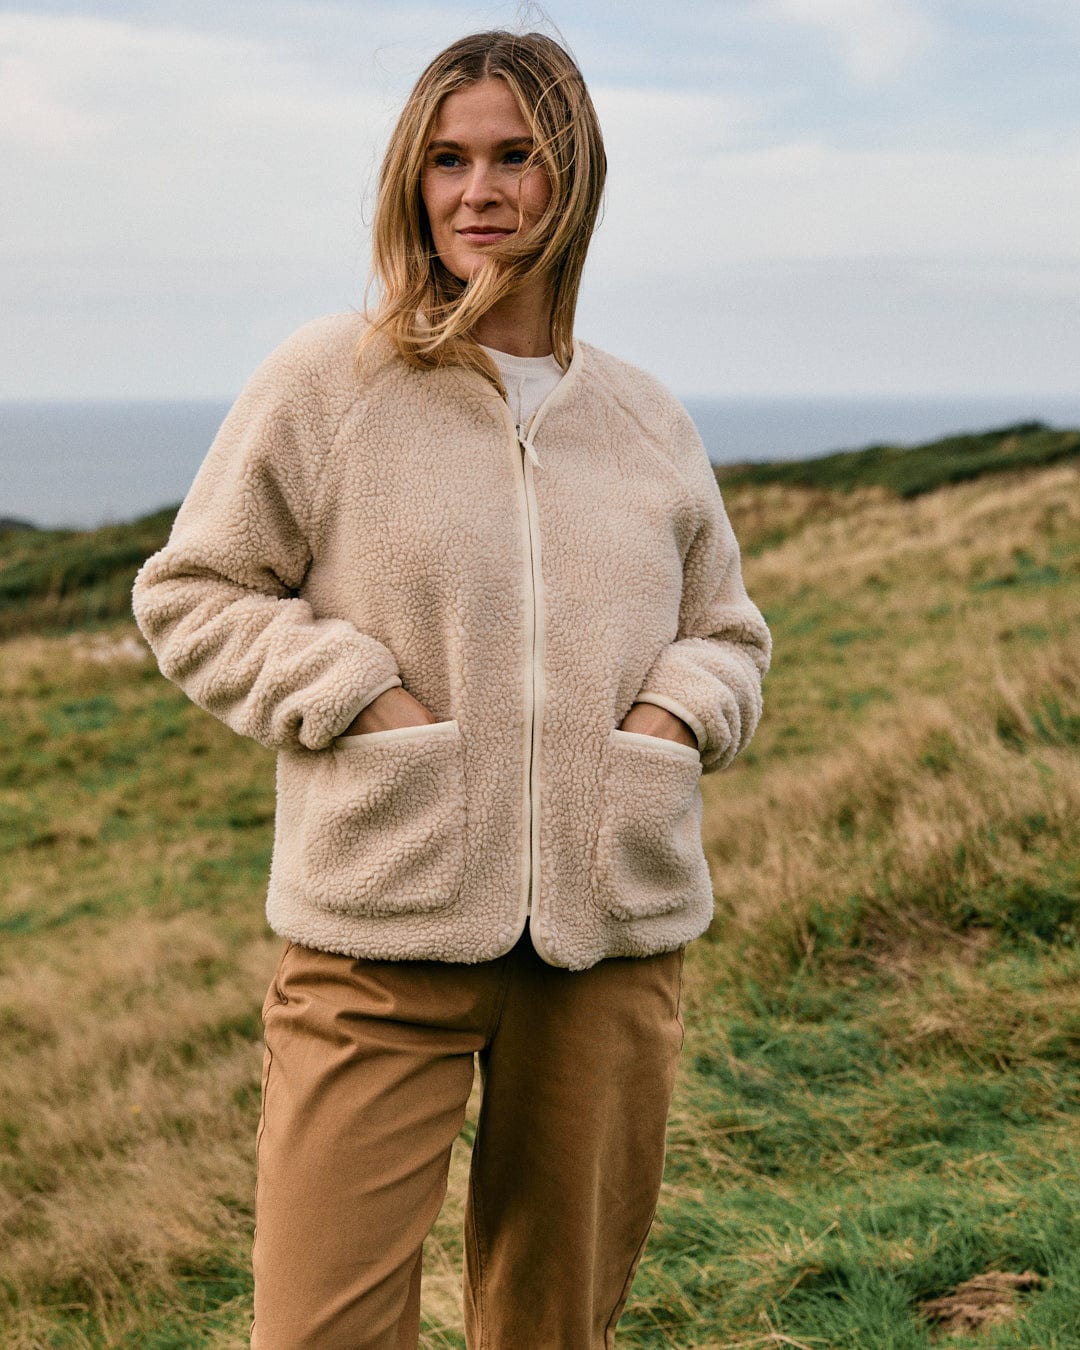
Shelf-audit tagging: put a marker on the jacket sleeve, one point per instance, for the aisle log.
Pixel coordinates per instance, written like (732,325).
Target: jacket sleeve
(710,676)
(219,604)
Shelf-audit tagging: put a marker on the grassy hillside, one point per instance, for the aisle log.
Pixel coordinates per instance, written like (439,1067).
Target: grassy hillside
(911,471)
(881,1076)
(59,580)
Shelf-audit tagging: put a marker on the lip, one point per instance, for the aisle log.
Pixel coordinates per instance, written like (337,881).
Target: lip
(483,234)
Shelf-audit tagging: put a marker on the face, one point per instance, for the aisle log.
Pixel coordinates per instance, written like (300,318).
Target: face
(473,186)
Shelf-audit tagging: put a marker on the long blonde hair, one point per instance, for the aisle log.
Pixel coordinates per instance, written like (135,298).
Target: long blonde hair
(425,311)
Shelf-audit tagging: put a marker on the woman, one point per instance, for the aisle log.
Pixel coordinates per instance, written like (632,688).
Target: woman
(473,581)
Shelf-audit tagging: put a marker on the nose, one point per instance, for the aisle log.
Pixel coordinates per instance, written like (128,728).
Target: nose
(480,187)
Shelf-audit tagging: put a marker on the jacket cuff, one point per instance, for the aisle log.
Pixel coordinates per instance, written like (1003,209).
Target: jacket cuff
(320,708)
(370,697)
(718,685)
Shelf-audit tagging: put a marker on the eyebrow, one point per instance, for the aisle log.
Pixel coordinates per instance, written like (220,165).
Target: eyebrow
(501,145)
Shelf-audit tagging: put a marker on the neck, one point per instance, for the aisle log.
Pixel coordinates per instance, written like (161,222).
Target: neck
(520,324)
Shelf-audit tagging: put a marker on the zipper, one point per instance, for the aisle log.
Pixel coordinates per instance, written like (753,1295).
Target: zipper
(534,672)
(530,461)
(529,906)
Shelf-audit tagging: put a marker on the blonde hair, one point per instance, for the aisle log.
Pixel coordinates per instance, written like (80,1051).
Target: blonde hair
(426,312)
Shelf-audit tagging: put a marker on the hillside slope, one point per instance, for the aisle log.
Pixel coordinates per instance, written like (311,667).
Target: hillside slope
(57,580)
(909,471)
(881,1075)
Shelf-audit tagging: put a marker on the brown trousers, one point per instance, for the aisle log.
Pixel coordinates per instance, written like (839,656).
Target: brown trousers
(368,1068)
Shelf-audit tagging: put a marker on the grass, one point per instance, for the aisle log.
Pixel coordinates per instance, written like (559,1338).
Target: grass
(57,580)
(911,471)
(879,1088)
(60,580)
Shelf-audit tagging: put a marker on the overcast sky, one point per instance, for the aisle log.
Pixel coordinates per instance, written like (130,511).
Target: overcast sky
(805,196)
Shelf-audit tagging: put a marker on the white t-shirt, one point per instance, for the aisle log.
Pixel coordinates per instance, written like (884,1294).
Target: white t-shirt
(528,381)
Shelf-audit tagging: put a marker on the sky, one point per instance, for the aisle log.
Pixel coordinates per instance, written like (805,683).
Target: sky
(806,197)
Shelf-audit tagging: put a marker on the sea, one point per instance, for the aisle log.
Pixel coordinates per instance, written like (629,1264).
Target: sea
(84,464)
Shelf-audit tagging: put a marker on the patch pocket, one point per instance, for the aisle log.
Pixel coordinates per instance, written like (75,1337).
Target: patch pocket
(648,859)
(384,821)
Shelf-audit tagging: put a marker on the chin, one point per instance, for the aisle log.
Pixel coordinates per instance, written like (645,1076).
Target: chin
(466,271)
(465,264)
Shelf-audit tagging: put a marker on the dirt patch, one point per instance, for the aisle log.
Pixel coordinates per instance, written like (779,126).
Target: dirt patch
(983,1301)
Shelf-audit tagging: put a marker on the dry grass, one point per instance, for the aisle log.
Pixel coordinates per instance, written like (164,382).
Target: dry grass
(896,870)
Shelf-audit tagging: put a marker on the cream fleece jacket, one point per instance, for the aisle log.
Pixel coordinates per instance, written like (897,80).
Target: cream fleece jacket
(350,531)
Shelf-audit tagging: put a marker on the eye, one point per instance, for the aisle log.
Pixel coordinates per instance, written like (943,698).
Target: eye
(446,159)
(517,156)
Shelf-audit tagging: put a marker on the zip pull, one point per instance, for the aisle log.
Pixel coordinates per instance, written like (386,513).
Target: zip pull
(528,447)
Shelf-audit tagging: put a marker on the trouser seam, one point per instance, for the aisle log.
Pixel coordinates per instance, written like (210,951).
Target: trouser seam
(624,1292)
(500,1000)
(679,999)
(479,1245)
(479,1240)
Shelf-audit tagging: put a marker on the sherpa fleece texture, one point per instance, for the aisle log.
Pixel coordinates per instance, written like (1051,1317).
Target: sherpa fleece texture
(350,531)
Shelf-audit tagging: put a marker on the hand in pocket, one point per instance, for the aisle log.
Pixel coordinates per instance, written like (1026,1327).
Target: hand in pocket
(649,719)
(392,709)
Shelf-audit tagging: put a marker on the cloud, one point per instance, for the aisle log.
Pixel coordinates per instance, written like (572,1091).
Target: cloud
(847,326)
(689,194)
(1057,15)
(876,38)
(176,198)
(40,111)
(169,142)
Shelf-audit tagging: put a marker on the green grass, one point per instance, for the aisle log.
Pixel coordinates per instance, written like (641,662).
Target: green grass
(911,471)
(880,1083)
(829,1178)
(58,580)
